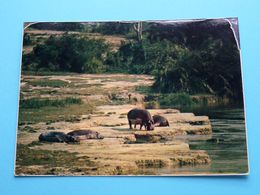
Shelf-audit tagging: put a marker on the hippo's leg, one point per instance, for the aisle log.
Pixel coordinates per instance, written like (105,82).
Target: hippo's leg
(130,124)
(135,125)
(141,126)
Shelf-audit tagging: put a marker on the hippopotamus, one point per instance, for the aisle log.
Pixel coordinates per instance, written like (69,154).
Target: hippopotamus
(55,136)
(142,117)
(85,134)
(160,121)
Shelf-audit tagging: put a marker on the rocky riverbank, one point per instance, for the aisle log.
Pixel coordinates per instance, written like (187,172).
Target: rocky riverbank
(122,151)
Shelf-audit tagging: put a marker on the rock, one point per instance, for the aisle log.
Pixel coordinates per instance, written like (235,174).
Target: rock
(158,135)
(129,139)
(199,130)
(152,163)
(142,137)
(195,158)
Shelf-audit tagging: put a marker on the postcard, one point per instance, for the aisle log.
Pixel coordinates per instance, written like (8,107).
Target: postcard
(133,98)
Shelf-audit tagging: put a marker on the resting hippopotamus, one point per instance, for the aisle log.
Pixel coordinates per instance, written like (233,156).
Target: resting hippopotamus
(55,136)
(142,117)
(160,121)
(85,134)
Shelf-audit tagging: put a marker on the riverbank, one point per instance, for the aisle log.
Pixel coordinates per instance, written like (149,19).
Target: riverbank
(103,107)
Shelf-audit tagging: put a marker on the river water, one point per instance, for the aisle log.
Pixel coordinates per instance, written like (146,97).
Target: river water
(227,147)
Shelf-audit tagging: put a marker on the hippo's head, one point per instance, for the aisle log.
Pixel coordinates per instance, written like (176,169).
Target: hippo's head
(150,125)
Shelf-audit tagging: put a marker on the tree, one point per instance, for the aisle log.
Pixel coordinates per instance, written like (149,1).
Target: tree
(138,28)
(69,53)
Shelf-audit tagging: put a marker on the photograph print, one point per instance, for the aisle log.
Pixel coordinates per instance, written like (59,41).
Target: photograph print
(158,98)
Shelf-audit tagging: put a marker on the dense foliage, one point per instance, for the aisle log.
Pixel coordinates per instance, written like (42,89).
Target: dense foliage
(59,26)
(199,57)
(112,28)
(67,53)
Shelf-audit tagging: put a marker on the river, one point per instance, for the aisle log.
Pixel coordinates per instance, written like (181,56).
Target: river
(227,147)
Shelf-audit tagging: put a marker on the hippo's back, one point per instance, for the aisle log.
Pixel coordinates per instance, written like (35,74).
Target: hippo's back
(85,134)
(80,132)
(53,137)
(138,113)
(160,120)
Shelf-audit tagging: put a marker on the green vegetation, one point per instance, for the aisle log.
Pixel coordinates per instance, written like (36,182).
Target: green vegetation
(39,103)
(143,89)
(27,128)
(46,73)
(54,114)
(67,53)
(190,57)
(157,100)
(112,28)
(59,26)
(50,159)
(178,99)
(48,83)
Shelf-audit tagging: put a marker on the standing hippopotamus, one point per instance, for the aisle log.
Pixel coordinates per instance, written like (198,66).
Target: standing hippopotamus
(55,136)
(142,117)
(160,121)
(85,134)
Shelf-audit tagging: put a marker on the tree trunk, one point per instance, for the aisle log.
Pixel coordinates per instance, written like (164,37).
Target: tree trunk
(138,27)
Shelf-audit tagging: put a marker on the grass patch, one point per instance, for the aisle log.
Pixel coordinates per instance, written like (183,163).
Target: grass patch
(50,159)
(144,89)
(39,103)
(176,99)
(28,129)
(54,114)
(36,143)
(46,73)
(48,83)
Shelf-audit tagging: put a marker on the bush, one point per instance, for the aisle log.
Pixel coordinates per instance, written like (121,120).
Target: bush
(143,89)
(68,53)
(60,26)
